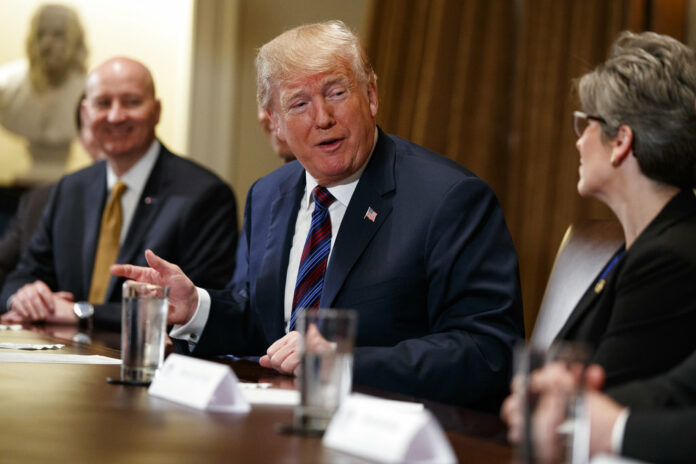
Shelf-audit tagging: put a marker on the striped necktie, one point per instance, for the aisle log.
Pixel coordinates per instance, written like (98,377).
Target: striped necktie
(310,277)
(109,243)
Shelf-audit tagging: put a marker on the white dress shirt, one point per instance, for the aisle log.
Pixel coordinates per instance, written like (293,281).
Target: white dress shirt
(342,192)
(135,179)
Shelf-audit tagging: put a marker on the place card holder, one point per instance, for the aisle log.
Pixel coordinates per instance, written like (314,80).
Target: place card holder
(388,431)
(199,384)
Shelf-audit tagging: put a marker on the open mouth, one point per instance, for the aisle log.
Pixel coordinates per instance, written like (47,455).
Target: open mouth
(329,144)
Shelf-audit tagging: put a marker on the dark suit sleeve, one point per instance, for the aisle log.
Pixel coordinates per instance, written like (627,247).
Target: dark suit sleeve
(37,262)
(661,436)
(673,389)
(473,309)
(21,229)
(10,244)
(230,328)
(651,323)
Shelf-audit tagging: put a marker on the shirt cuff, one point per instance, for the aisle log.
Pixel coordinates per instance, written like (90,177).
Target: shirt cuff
(192,330)
(617,432)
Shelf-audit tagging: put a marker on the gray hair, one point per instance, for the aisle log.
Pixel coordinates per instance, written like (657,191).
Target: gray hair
(649,84)
(309,49)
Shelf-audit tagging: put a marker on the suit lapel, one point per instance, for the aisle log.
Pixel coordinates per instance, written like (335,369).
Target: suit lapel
(270,285)
(588,302)
(94,200)
(357,229)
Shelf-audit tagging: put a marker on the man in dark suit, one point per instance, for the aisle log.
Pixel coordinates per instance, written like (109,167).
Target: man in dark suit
(419,246)
(164,202)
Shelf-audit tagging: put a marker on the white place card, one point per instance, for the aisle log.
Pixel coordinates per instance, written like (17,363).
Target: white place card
(388,431)
(609,459)
(199,384)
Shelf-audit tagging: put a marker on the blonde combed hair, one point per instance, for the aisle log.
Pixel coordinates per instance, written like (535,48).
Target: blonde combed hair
(309,49)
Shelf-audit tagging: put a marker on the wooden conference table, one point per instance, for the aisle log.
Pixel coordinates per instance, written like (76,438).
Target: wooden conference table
(68,413)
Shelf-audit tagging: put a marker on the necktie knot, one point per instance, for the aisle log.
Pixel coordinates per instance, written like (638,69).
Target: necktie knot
(118,189)
(322,197)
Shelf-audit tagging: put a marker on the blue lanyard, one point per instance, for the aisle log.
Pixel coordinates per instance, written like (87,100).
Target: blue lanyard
(599,286)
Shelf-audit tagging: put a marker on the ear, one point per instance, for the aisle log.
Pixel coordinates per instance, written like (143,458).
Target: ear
(275,126)
(372,98)
(84,111)
(157,111)
(621,145)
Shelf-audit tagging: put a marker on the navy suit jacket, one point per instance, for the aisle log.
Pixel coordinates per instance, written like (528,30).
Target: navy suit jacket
(434,278)
(642,322)
(186,215)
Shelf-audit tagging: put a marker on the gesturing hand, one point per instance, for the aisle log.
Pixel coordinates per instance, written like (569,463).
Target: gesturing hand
(183,297)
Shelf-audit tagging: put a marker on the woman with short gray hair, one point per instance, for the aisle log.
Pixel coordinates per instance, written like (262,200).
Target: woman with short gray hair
(637,144)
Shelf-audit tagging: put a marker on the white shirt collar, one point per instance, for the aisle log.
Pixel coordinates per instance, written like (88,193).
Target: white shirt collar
(343,191)
(136,176)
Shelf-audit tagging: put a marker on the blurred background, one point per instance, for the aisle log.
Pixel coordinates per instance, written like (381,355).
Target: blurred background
(487,83)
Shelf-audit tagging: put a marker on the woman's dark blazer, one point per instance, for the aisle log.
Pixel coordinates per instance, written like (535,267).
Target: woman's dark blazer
(643,321)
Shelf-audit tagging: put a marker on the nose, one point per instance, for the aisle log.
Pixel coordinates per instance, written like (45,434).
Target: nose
(116,112)
(323,116)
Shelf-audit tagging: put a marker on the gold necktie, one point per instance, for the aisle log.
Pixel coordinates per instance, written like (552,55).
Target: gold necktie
(107,249)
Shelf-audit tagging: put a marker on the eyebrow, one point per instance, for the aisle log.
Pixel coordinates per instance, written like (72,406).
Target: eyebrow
(326,82)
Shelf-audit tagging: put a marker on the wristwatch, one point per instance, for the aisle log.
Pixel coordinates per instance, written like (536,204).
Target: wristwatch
(84,312)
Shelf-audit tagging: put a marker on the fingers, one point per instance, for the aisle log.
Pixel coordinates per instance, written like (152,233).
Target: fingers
(33,302)
(11,318)
(68,296)
(160,265)
(553,376)
(595,377)
(139,273)
(283,355)
(265,361)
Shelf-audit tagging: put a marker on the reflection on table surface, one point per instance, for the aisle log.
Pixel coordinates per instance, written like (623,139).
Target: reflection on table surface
(69,412)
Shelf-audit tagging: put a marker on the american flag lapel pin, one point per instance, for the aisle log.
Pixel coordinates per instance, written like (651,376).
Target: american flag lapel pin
(370,214)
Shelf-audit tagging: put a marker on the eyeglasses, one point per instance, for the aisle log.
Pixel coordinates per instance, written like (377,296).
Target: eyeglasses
(582,120)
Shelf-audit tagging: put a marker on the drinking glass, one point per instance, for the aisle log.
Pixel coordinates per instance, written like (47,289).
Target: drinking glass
(143,330)
(555,424)
(326,369)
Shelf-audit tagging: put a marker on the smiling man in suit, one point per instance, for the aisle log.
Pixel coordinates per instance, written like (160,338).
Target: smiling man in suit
(412,241)
(141,197)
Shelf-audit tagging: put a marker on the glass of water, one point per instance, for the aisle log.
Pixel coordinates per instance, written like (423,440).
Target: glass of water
(143,330)
(326,370)
(555,423)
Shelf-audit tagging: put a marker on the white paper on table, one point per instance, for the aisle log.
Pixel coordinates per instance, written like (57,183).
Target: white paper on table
(10,327)
(56,358)
(388,431)
(30,346)
(262,393)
